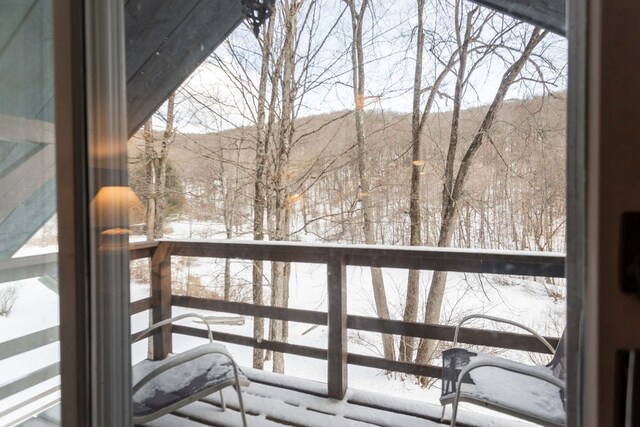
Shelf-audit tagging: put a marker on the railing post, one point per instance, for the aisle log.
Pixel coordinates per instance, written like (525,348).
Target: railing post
(161,300)
(337,321)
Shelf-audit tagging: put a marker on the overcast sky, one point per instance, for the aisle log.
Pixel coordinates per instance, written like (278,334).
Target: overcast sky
(390,61)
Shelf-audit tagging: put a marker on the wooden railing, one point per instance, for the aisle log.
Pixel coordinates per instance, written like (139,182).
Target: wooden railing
(19,269)
(336,258)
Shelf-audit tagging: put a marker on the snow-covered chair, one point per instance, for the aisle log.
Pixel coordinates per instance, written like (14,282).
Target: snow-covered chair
(532,393)
(161,387)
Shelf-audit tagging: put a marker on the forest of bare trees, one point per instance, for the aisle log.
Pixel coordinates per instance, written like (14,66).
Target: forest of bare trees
(422,123)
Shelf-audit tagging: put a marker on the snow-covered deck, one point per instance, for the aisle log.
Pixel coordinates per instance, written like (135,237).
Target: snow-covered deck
(316,346)
(277,400)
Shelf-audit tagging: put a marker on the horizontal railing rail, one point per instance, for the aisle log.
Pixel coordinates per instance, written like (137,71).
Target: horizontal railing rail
(141,250)
(34,266)
(337,258)
(21,268)
(36,377)
(22,344)
(436,259)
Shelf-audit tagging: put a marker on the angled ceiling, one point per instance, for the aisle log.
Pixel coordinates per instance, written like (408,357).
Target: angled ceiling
(548,14)
(166,41)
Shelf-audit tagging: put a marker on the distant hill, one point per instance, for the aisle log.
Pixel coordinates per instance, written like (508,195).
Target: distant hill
(523,158)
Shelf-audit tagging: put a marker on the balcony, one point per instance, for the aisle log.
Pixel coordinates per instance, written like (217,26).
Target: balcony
(274,399)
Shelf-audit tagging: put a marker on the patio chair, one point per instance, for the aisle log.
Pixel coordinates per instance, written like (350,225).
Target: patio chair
(532,393)
(161,387)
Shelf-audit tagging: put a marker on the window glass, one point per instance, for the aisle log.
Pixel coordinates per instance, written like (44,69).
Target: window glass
(29,318)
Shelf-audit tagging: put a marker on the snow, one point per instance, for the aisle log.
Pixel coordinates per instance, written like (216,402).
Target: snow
(525,301)
(209,371)
(523,393)
(322,245)
(270,401)
(35,309)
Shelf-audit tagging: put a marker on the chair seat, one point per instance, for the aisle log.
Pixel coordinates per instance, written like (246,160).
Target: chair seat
(184,383)
(499,389)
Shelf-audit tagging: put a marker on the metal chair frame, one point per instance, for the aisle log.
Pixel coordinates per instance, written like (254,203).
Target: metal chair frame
(183,358)
(512,367)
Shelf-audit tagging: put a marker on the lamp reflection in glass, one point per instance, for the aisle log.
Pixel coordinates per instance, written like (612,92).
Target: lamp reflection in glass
(110,209)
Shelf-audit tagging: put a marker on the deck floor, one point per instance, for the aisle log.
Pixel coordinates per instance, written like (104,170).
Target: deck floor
(268,405)
(278,400)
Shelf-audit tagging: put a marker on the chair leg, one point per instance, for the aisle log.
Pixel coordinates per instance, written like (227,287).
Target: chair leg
(240,401)
(222,403)
(444,408)
(241,404)
(454,408)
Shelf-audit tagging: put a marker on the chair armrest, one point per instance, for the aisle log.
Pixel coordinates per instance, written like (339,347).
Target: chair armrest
(142,334)
(501,320)
(183,358)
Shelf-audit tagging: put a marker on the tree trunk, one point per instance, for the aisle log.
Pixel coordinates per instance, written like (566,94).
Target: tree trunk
(161,188)
(156,174)
(259,203)
(280,278)
(149,158)
(418,120)
(452,190)
(417,162)
(357,58)
(151,207)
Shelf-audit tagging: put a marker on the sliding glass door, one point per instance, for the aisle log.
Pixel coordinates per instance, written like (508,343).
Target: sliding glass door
(64,321)
(29,281)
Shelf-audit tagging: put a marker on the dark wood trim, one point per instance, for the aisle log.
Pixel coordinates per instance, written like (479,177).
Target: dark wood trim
(141,305)
(28,342)
(395,366)
(141,250)
(110,319)
(473,336)
(187,35)
(161,300)
(280,347)
(337,375)
(611,314)
(71,192)
(273,251)
(576,205)
(548,14)
(246,309)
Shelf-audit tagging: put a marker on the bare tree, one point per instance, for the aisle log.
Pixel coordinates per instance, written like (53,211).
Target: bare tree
(419,115)
(259,203)
(155,161)
(453,188)
(358,77)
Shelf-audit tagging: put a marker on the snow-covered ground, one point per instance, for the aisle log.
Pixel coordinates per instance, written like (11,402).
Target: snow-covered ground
(522,300)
